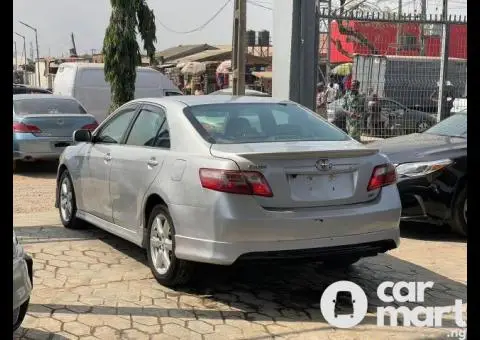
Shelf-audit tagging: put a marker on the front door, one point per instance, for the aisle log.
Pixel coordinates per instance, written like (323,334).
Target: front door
(96,188)
(137,165)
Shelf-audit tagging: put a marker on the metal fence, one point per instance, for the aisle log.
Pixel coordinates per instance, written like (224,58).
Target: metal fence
(401,67)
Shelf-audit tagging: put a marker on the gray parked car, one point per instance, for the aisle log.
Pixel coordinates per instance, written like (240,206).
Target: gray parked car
(220,179)
(22,282)
(400,119)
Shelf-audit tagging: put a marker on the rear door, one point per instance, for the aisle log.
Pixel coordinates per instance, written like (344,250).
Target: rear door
(136,164)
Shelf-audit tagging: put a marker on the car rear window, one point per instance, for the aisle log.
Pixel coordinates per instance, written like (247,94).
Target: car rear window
(235,123)
(47,106)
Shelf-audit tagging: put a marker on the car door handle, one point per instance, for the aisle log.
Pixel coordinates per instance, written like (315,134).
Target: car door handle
(152,162)
(107,157)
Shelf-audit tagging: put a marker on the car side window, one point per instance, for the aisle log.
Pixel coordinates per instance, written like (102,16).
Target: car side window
(146,127)
(163,137)
(115,129)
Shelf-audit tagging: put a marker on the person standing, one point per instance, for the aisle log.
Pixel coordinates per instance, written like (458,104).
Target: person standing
(321,100)
(447,101)
(332,90)
(198,90)
(354,108)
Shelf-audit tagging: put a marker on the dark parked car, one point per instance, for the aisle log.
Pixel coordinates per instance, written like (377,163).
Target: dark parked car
(432,172)
(25,89)
(400,120)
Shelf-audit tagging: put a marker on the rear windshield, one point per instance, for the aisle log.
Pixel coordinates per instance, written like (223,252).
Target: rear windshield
(46,106)
(260,122)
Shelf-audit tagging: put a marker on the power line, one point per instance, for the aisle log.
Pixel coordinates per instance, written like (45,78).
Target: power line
(199,28)
(255,3)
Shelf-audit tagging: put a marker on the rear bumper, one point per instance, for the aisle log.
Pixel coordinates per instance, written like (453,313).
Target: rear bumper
(224,233)
(28,147)
(22,279)
(315,249)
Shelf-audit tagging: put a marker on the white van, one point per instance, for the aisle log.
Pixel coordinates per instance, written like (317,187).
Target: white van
(86,82)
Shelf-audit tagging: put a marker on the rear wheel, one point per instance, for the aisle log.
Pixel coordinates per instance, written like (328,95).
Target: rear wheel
(67,203)
(459,213)
(340,262)
(422,126)
(165,266)
(14,166)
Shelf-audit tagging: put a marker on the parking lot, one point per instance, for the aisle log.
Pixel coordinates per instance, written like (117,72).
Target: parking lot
(91,285)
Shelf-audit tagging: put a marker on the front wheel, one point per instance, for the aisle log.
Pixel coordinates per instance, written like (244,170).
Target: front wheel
(67,204)
(19,314)
(166,267)
(459,213)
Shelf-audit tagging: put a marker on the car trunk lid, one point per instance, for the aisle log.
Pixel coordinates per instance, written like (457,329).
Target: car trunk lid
(307,174)
(57,125)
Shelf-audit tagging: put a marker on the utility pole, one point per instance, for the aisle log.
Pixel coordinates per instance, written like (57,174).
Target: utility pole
(15,50)
(423,16)
(238,46)
(37,66)
(443,63)
(25,78)
(399,26)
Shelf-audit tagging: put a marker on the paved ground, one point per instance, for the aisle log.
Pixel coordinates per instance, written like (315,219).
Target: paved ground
(91,285)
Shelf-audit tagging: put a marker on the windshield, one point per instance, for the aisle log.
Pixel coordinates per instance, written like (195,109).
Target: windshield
(260,122)
(47,106)
(454,126)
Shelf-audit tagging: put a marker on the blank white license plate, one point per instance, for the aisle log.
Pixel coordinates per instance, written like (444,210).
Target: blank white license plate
(322,187)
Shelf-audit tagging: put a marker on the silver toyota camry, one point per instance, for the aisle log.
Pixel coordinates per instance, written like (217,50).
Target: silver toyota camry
(221,179)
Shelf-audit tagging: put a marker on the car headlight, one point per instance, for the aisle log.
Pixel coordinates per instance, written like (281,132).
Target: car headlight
(416,169)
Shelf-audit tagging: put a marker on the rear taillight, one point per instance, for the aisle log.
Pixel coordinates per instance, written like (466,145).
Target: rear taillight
(235,182)
(25,128)
(382,175)
(90,127)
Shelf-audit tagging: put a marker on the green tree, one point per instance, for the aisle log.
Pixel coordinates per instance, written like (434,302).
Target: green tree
(120,48)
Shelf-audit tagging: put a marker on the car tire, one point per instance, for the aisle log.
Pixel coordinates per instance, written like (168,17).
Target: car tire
(459,213)
(161,230)
(68,202)
(422,126)
(340,262)
(21,315)
(14,166)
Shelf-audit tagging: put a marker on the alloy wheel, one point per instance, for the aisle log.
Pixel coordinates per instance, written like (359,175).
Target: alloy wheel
(422,126)
(66,194)
(161,246)
(465,211)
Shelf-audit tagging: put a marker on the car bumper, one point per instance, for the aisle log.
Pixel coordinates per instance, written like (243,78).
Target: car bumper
(315,232)
(424,201)
(22,279)
(30,148)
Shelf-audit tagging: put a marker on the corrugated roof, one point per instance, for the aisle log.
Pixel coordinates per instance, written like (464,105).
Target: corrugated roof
(182,51)
(208,55)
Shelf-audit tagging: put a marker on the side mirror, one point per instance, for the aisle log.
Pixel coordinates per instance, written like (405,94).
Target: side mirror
(80,136)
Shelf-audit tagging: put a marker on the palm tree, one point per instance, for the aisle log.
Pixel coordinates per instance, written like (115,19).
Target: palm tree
(120,47)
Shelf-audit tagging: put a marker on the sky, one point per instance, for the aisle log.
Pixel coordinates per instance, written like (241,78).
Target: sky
(55,20)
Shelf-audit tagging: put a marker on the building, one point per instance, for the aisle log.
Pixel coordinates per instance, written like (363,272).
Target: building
(383,36)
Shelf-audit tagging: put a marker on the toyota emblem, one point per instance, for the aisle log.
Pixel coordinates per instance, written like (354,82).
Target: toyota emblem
(324,165)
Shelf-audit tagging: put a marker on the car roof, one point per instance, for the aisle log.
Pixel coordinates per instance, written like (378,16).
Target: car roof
(247,92)
(40,96)
(213,99)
